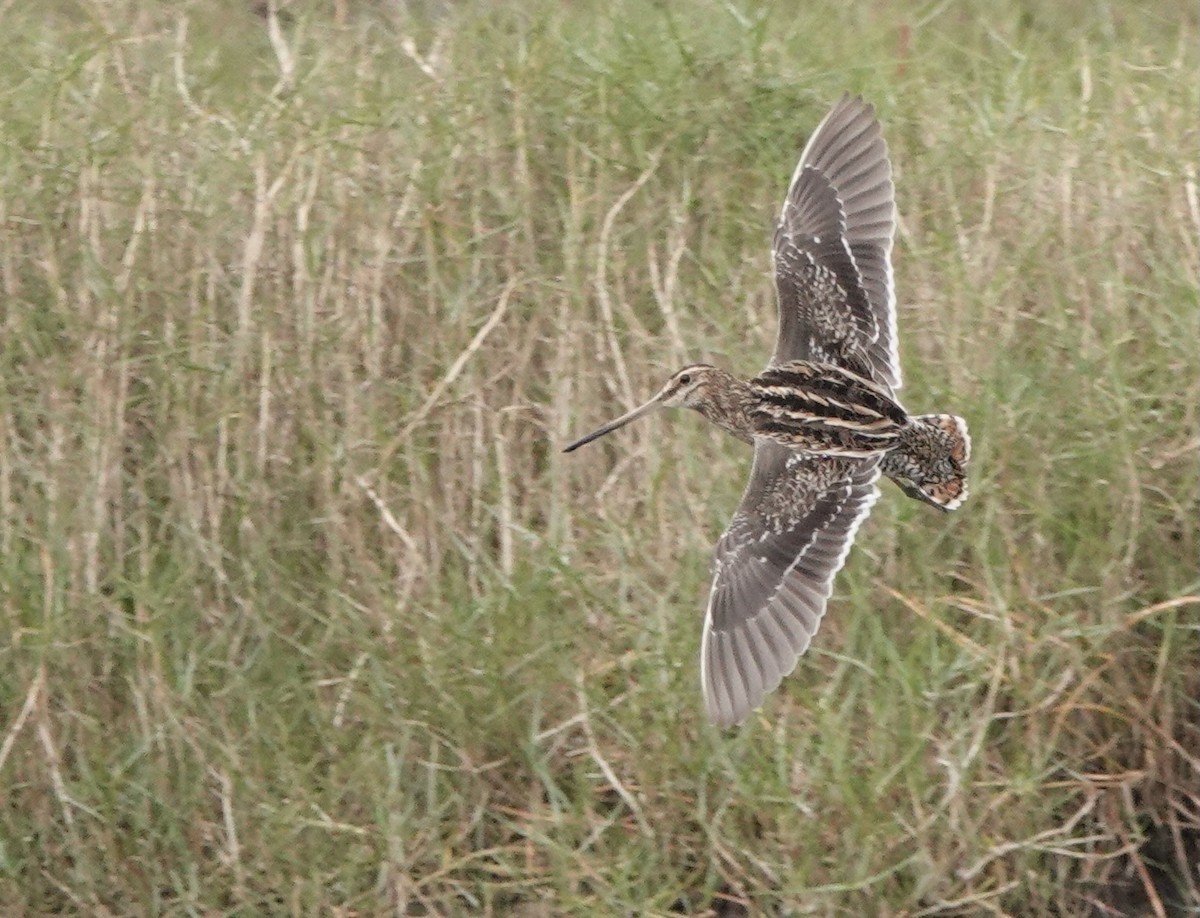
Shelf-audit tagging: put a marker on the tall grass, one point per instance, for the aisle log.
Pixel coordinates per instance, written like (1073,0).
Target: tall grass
(305,613)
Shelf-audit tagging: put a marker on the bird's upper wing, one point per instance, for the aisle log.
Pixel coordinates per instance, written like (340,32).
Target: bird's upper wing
(774,569)
(833,249)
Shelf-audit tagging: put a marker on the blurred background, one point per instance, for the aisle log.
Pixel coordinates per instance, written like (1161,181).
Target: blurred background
(304,612)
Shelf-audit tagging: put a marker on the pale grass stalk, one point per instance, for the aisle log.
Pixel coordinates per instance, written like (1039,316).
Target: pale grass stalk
(375,323)
(327,822)
(266,355)
(86,907)
(562,364)
(989,198)
(471,539)
(100,404)
(1167,605)
(598,831)
(90,204)
(53,761)
(733,878)
(394,236)
(618,476)
(1085,81)
(1149,887)
(432,254)
(606,769)
(90,537)
(32,696)
(1066,196)
(52,268)
(216,489)
(400,885)
(984,899)
(7,504)
(665,281)
(9,277)
(1191,241)
(302,279)
(107,481)
(504,507)
(185,94)
(1040,840)
(233,848)
(142,220)
(1131,515)
(1192,819)
(252,249)
(1189,756)
(549,732)
(601,281)
(522,177)
(427,63)
(413,568)
(283,54)
(451,375)
(915,606)
(54,460)
(343,698)
(957,767)
(391,522)
(423,513)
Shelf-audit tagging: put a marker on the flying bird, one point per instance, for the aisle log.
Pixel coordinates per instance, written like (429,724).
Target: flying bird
(823,418)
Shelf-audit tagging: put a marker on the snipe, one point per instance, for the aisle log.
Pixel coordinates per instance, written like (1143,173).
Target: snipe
(823,418)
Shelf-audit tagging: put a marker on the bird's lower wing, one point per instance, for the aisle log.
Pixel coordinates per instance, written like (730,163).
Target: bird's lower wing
(774,569)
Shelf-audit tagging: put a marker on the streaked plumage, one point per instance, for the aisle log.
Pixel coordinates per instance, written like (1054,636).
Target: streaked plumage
(823,418)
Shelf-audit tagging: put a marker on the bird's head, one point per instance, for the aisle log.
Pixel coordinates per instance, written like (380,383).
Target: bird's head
(688,388)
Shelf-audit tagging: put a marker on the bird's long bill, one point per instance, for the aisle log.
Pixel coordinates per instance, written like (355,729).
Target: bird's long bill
(613,425)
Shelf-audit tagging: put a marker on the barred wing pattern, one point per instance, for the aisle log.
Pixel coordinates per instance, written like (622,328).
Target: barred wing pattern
(833,249)
(774,569)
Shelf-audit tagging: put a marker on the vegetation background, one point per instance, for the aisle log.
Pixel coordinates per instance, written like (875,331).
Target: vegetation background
(305,613)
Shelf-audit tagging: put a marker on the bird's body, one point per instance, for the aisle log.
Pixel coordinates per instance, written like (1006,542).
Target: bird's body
(817,408)
(823,418)
(822,408)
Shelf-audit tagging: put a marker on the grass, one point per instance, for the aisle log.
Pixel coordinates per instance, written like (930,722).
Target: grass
(305,613)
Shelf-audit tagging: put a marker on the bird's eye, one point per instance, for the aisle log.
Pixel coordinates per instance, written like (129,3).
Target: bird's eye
(685,378)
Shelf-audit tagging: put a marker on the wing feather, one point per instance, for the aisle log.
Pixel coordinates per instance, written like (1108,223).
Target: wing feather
(774,569)
(833,249)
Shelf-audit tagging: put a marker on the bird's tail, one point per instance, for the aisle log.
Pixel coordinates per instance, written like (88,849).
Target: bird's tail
(930,460)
